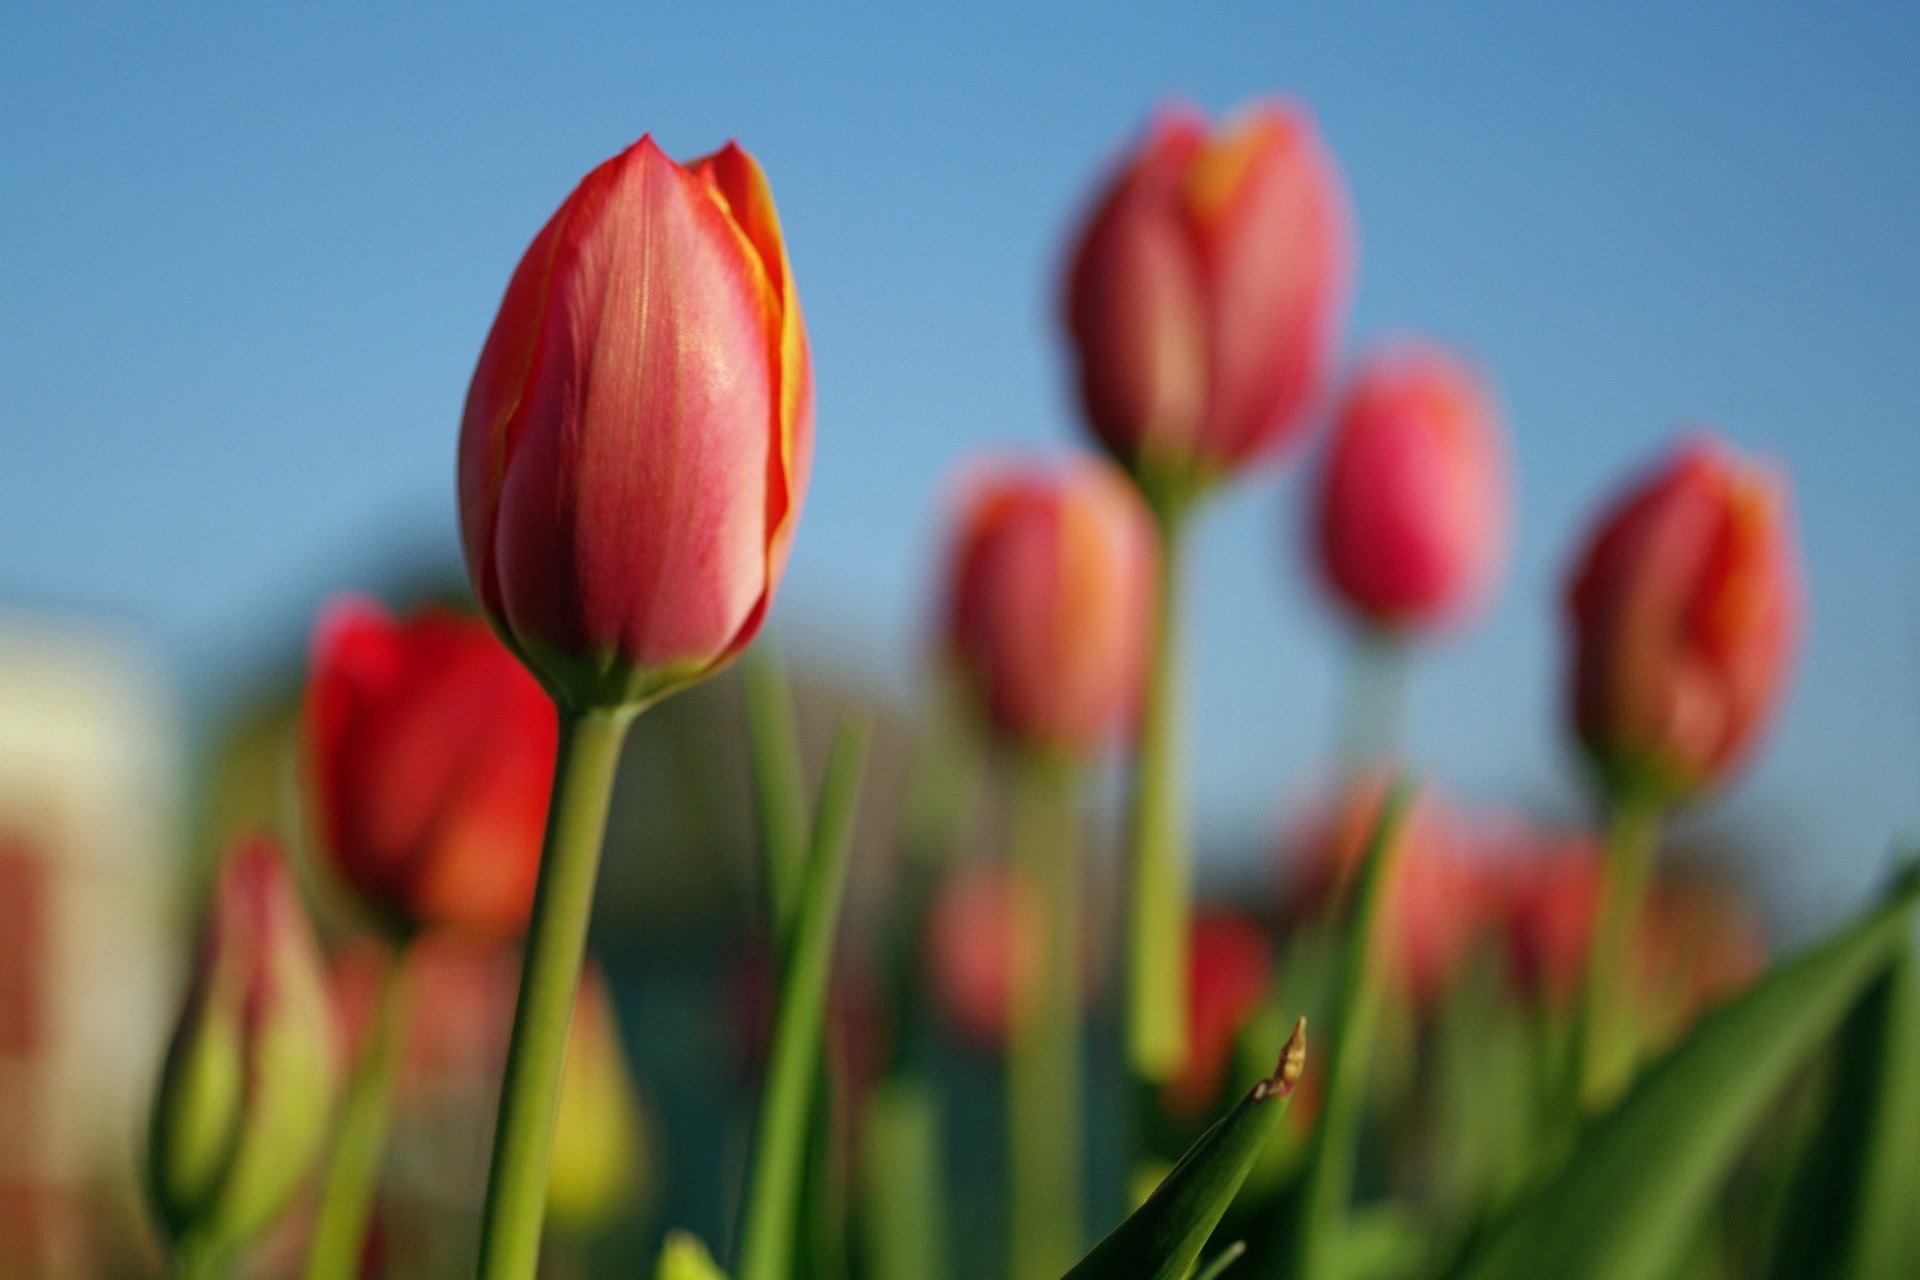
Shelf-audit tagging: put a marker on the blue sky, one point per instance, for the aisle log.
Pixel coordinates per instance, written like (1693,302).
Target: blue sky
(249,254)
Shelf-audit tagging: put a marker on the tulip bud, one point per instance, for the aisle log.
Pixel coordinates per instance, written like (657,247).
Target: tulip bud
(246,1093)
(430,752)
(1229,971)
(1050,593)
(982,938)
(1205,295)
(596,1171)
(1412,516)
(639,429)
(1685,612)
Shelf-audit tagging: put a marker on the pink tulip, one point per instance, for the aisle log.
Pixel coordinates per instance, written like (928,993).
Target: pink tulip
(1685,612)
(638,433)
(1205,295)
(1412,514)
(1049,598)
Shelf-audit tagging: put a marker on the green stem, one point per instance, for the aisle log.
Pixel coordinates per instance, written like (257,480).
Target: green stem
(1375,710)
(902,1183)
(786,1106)
(590,744)
(194,1261)
(346,1203)
(1043,1042)
(1605,1041)
(1159,900)
(780,791)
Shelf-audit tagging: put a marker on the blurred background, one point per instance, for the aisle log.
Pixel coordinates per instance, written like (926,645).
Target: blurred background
(249,255)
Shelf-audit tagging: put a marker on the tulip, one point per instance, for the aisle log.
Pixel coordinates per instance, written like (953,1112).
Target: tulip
(639,429)
(982,936)
(245,1096)
(1229,973)
(431,752)
(1685,610)
(1050,597)
(1411,516)
(1205,294)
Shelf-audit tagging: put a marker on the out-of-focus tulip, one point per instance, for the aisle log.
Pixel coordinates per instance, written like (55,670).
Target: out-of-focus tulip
(1412,512)
(431,754)
(1050,594)
(1685,611)
(1229,971)
(246,1094)
(981,933)
(596,1171)
(1206,291)
(639,429)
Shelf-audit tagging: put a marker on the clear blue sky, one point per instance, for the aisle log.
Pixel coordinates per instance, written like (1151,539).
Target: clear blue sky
(248,254)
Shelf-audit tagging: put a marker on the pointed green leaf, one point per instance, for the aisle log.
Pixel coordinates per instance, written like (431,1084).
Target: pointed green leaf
(1222,1260)
(786,1102)
(1162,1239)
(1855,1200)
(1626,1204)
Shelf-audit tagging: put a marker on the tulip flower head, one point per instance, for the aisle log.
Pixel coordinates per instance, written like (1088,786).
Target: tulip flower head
(982,937)
(1685,611)
(639,429)
(1411,518)
(430,751)
(1205,294)
(244,1101)
(1050,595)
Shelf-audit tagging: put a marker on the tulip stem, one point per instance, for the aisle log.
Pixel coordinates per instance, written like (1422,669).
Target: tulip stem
(346,1204)
(1159,899)
(590,744)
(1043,1040)
(1605,1042)
(1376,700)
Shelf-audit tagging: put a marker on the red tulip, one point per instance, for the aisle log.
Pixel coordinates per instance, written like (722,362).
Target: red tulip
(431,753)
(1412,506)
(981,937)
(1229,971)
(639,429)
(245,1098)
(1050,592)
(1685,610)
(1205,295)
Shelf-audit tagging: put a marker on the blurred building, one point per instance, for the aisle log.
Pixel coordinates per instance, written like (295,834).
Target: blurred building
(89,771)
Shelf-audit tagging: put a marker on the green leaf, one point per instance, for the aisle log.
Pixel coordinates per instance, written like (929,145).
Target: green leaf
(780,1135)
(1857,1193)
(1315,1221)
(684,1258)
(1162,1239)
(1217,1267)
(779,790)
(1627,1203)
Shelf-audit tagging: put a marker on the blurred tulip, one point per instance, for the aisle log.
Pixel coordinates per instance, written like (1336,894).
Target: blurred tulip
(431,753)
(1412,516)
(1205,293)
(981,932)
(246,1094)
(596,1171)
(1051,587)
(638,433)
(1229,972)
(1685,611)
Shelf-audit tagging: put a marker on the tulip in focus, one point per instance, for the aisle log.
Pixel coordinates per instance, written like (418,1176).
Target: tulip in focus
(638,432)
(1229,972)
(1051,591)
(1411,517)
(246,1094)
(1685,611)
(431,752)
(1205,294)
